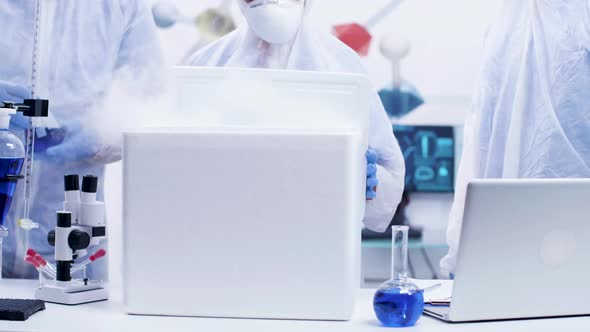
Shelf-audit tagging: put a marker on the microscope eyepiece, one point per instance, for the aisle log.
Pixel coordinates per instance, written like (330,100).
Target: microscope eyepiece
(71,182)
(89,184)
(64,219)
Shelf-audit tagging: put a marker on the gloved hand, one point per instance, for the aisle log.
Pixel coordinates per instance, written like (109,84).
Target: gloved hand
(84,144)
(15,93)
(372,181)
(19,121)
(78,144)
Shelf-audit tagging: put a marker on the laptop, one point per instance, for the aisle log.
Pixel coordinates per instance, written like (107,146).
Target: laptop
(254,216)
(524,253)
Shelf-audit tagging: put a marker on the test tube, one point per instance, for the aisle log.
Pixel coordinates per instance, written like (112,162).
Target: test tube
(44,265)
(100,253)
(41,269)
(40,260)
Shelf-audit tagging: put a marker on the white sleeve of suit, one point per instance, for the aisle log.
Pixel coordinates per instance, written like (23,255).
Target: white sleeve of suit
(380,210)
(465,174)
(390,171)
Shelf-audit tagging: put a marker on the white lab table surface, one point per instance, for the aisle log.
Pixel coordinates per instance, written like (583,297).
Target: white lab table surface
(110,316)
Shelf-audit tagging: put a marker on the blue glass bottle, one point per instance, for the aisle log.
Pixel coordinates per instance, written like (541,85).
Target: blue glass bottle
(399,302)
(12,154)
(9,169)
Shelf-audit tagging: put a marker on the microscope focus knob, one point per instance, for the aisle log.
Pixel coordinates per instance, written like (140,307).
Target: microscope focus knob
(78,240)
(51,238)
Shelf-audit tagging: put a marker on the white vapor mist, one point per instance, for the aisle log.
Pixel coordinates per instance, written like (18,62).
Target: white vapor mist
(215,98)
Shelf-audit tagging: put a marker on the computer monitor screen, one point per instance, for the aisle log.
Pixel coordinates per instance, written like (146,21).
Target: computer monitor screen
(429,152)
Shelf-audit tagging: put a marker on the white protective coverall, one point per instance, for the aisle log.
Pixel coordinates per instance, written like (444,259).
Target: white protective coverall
(531,112)
(315,50)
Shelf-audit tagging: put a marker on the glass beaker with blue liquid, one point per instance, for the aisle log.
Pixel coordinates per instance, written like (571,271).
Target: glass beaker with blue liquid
(12,154)
(399,302)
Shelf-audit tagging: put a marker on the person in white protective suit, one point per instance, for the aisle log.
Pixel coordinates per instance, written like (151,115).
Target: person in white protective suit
(278,35)
(531,112)
(69,52)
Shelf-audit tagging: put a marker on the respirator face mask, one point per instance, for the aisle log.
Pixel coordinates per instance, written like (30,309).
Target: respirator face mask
(274,21)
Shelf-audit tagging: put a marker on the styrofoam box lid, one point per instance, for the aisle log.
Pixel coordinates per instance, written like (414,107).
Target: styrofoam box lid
(266,99)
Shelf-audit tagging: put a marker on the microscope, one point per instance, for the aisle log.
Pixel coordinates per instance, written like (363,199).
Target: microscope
(80,226)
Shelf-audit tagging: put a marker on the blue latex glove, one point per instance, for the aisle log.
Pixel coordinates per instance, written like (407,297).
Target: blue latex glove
(372,181)
(78,144)
(19,121)
(12,92)
(15,93)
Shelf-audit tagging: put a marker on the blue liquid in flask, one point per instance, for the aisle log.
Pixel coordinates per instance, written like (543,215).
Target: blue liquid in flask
(398,307)
(8,166)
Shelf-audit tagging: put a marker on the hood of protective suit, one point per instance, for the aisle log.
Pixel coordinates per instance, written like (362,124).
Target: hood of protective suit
(531,112)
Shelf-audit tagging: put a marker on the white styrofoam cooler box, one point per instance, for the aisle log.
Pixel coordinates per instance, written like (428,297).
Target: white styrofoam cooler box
(244,221)
(242,224)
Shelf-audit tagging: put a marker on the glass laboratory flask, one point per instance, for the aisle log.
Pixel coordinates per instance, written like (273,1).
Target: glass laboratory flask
(399,302)
(12,156)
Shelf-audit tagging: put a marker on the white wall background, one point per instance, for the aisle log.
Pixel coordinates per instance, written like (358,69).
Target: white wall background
(446,36)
